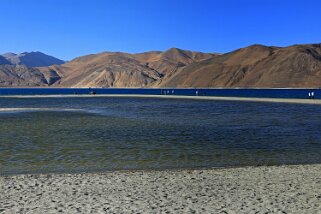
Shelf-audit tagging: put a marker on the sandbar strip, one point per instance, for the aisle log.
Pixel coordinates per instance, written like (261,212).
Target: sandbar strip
(215,98)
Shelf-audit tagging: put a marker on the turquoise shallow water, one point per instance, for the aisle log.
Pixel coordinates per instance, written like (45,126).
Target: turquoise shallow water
(99,134)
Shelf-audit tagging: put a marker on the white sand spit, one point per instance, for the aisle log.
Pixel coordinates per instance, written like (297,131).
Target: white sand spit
(245,99)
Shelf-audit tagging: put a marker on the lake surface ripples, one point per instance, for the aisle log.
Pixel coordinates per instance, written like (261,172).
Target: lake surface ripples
(105,133)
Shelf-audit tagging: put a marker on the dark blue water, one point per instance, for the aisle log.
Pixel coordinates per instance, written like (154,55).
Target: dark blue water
(262,93)
(105,133)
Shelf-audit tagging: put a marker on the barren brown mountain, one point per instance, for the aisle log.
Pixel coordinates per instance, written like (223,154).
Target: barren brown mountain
(172,59)
(116,69)
(254,66)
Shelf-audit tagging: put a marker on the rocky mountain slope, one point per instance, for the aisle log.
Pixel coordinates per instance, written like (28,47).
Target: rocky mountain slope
(254,66)
(20,75)
(116,69)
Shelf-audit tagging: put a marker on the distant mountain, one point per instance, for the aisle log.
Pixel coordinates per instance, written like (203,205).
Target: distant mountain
(32,59)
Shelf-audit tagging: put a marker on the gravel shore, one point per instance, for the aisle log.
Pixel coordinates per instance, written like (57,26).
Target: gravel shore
(282,189)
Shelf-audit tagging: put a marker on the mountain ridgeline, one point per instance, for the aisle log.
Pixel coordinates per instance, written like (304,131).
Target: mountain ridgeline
(256,66)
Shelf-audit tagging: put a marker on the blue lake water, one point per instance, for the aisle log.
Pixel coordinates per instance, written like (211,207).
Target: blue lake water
(108,133)
(263,93)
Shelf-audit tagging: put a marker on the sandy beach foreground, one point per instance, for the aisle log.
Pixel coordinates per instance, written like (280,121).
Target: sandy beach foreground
(282,189)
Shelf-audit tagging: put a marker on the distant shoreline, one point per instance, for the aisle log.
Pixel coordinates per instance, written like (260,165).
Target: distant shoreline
(154,88)
(214,98)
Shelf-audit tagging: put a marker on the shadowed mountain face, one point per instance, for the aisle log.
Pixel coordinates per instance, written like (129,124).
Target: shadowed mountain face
(4,61)
(14,76)
(253,66)
(32,59)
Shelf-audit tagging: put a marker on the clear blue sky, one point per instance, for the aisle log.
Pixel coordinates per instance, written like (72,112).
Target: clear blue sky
(71,28)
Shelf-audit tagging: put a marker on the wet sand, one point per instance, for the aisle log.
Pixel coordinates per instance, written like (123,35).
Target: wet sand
(245,99)
(283,189)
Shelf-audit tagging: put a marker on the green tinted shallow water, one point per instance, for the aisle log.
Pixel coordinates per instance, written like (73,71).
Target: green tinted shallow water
(98,134)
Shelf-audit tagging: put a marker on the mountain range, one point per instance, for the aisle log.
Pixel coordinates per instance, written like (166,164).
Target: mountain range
(255,66)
